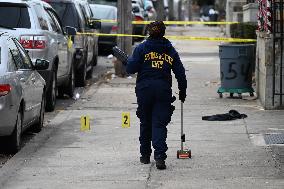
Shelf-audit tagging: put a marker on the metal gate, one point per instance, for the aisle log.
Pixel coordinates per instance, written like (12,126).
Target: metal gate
(278,39)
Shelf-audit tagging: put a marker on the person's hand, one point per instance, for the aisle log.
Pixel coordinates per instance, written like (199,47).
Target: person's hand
(182,95)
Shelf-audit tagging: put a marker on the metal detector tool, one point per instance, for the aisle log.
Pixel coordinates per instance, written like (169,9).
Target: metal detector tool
(120,55)
(183,153)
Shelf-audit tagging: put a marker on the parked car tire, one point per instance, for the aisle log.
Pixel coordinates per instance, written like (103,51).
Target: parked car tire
(70,87)
(90,72)
(51,93)
(38,126)
(15,138)
(81,75)
(95,58)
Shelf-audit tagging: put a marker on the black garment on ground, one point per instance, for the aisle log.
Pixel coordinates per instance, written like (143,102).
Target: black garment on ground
(232,115)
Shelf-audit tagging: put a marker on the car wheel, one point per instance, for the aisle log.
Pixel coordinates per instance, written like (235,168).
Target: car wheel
(38,126)
(17,133)
(81,76)
(94,59)
(51,94)
(71,84)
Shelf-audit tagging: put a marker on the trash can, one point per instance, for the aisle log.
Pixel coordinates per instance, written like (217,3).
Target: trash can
(236,65)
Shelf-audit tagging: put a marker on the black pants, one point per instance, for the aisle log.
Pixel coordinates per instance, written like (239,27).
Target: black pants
(154,110)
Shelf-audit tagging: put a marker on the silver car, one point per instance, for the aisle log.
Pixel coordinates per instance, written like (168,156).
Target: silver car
(106,12)
(77,13)
(22,91)
(36,25)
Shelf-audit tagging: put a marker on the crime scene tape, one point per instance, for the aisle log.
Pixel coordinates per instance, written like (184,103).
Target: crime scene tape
(174,22)
(221,39)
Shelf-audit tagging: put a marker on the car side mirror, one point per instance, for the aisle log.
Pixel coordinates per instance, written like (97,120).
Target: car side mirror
(70,30)
(95,24)
(41,64)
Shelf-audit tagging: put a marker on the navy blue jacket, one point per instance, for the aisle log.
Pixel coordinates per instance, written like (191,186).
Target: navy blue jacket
(154,59)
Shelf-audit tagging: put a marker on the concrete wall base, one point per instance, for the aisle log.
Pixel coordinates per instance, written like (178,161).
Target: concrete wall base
(264,72)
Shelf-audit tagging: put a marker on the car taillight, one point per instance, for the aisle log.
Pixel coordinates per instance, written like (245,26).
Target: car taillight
(39,42)
(4,89)
(114,29)
(33,42)
(138,18)
(27,42)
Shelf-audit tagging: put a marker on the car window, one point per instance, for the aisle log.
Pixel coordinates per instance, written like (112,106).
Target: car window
(52,23)
(15,53)
(21,60)
(84,13)
(14,16)
(56,23)
(105,2)
(67,14)
(41,17)
(104,13)
(11,64)
(27,63)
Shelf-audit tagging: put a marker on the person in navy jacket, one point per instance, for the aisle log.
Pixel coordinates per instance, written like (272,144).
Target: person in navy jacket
(153,60)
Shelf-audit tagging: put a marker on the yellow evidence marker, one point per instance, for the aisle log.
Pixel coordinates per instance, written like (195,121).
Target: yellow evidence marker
(85,123)
(125,119)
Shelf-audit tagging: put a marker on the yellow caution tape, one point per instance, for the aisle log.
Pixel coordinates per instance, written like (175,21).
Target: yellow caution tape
(174,22)
(107,21)
(186,22)
(222,39)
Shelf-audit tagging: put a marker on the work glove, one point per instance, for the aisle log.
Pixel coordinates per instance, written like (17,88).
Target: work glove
(182,95)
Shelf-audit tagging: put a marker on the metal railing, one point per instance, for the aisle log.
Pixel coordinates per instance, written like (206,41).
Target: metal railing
(278,47)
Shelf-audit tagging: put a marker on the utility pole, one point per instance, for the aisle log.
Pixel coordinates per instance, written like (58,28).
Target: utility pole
(189,10)
(124,15)
(160,7)
(180,15)
(171,10)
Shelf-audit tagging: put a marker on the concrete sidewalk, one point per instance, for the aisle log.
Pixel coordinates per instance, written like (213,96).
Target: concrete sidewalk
(224,154)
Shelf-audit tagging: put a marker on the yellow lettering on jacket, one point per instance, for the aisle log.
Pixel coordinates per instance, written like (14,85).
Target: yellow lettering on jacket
(157,64)
(156,57)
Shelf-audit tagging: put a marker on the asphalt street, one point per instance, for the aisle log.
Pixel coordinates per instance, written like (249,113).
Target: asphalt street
(229,154)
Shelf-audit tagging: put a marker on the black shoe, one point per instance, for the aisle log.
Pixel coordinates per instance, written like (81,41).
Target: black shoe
(160,164)
(145,160)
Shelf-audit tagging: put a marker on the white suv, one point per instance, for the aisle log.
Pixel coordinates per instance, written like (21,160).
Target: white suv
(36,25)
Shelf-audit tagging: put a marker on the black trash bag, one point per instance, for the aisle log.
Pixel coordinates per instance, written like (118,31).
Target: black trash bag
(232,115)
